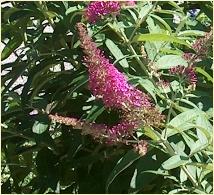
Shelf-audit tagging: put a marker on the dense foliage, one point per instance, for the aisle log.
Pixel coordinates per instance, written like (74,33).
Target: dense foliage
(106,97)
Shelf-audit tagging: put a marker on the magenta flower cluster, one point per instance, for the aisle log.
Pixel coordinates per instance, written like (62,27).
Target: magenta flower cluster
(106,82)
(201,47)
(98,9)
(187,72)
(130,2)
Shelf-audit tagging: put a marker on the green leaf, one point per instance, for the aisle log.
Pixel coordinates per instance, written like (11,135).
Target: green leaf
(168,61)
(43,80)
(181,121)
(178,191)
(207,166)
(188,102)
(191,33)
(204,73)
(171,12)
(14,74)
(204,128)
(151,50)
(116,52)
(160,37)
(170,51)
(144,10)
(77,82)
(71,9)
(183,176)
(174,162)
(198,146)
(149,87)
(179,148)
(39,127)
(132,14)
(95,112)
(51,14)
(174,4)
(129,158)
(151,133)
(13,43)
(162,22)
(10,11)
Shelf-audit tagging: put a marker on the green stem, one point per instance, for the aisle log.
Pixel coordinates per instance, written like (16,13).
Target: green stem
(134,52)
(165,142)
(170,102)
(169,115)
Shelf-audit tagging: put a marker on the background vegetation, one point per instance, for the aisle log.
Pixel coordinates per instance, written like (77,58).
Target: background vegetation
(40,156)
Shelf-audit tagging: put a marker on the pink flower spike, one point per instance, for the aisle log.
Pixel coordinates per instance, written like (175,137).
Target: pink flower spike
(106,82)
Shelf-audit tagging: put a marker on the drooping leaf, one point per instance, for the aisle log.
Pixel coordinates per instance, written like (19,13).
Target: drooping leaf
(9,48)
(204,73)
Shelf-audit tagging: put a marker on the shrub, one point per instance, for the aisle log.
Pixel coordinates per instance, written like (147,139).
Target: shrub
(107,97)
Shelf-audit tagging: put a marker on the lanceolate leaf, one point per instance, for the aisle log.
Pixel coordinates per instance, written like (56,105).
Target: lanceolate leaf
(191,33)
(160,37)
(204,73)
(168,61)
(163,22)
(175,161)
(208,166)
(9,48)
(149,87)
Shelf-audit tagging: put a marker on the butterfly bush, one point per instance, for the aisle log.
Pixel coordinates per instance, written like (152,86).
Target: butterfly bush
(110,85)
(97,9)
